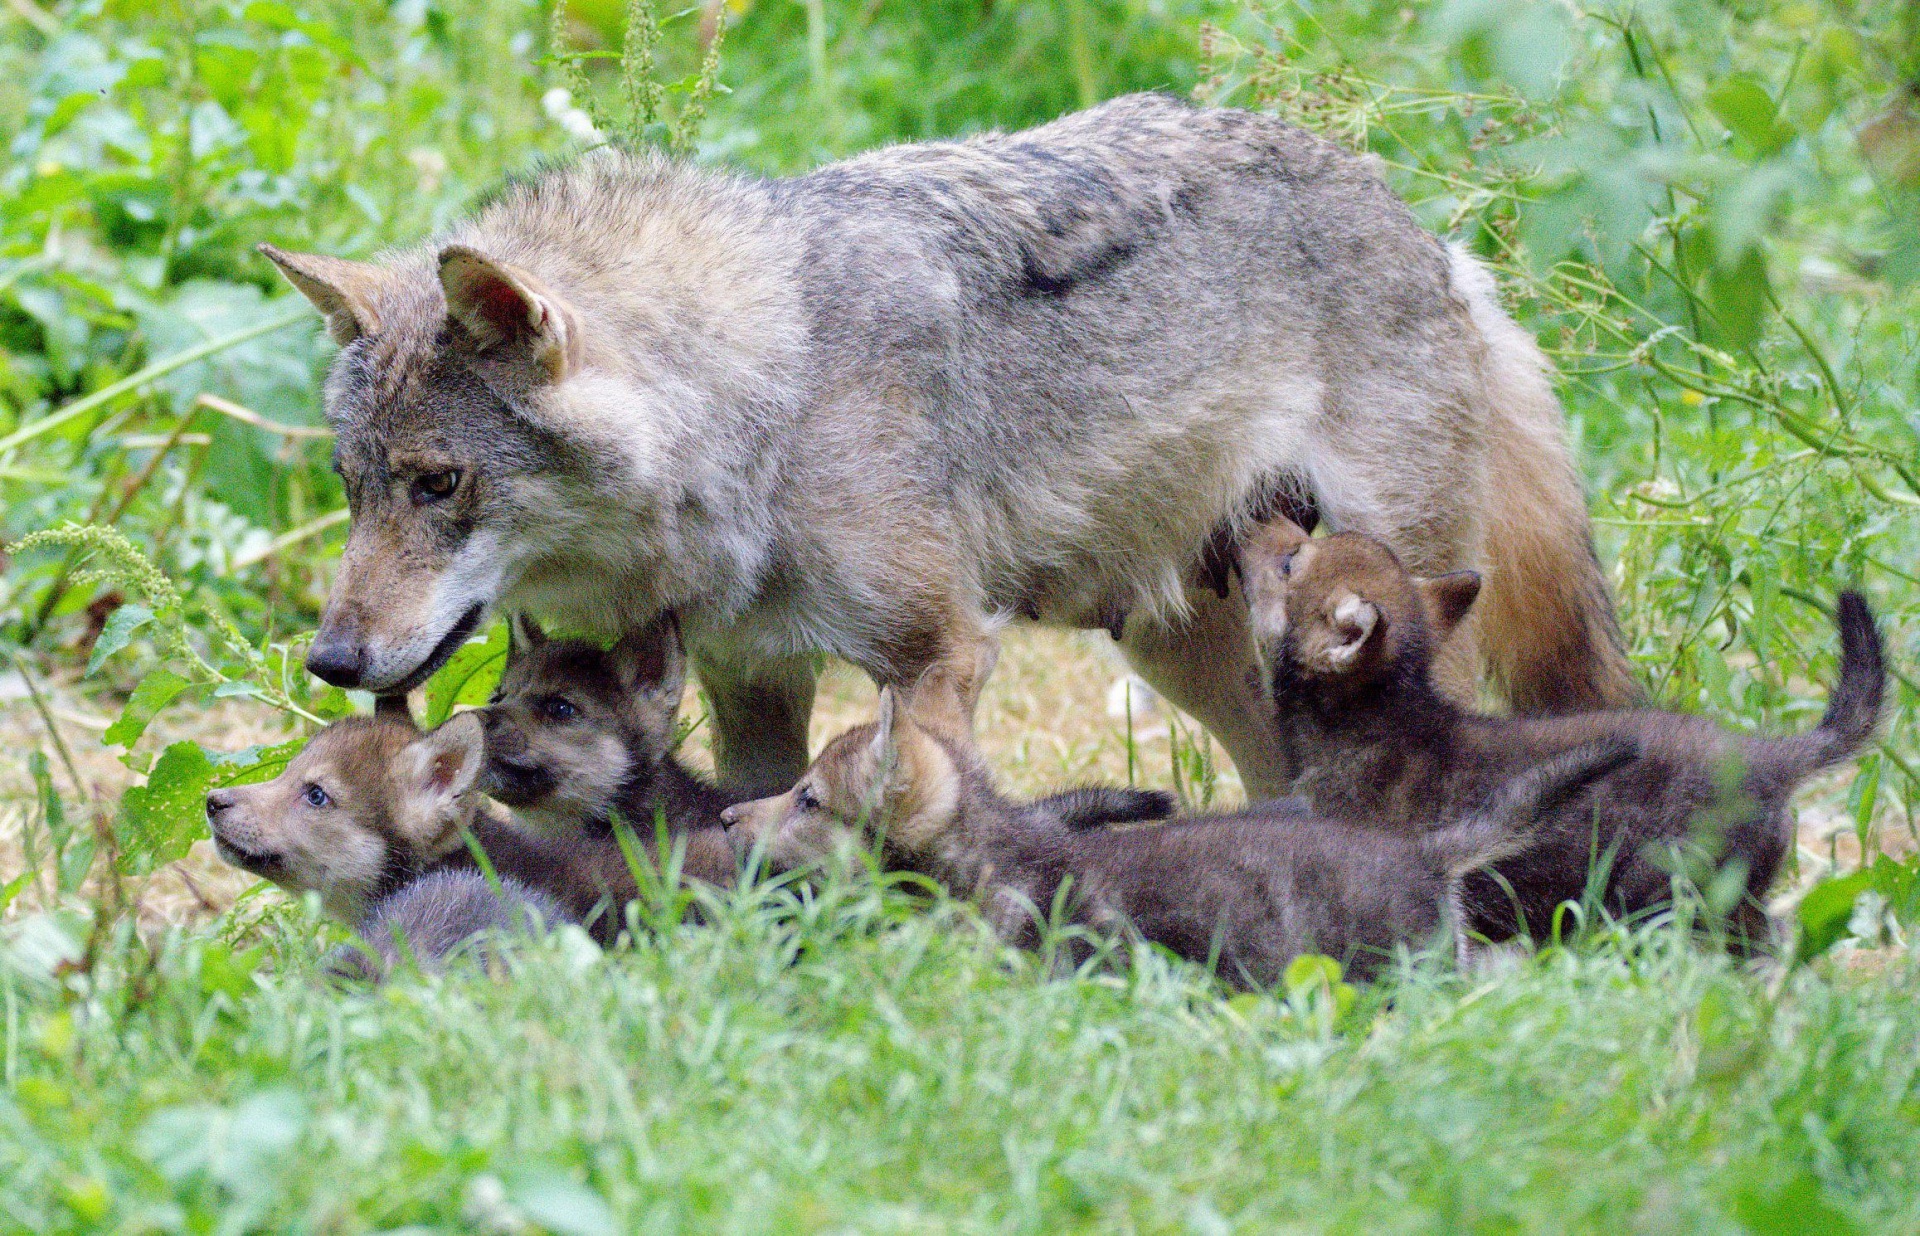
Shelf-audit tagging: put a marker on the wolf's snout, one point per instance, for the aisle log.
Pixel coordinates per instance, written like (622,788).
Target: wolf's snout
(730,816)
(218,801)
(337,661)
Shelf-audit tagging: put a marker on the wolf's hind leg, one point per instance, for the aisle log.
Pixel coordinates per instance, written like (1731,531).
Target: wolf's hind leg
(1205,666)
(760,715)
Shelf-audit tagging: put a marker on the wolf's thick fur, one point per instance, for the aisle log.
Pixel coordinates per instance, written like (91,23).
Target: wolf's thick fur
(877,409)
(1350,636)
(1249,891)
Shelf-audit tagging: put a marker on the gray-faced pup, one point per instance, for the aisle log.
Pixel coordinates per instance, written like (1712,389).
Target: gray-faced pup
(875,409)
(372,816)
(1350,634)
(578,736)
(1249,891)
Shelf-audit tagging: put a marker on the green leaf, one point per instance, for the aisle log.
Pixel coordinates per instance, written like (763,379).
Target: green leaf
(562,1206)
(52,811)
(1824,911)
(154,693)
(1738,294)
(468,677)
(160,819)
(260,762)
(118,632)
(1770,1206)
(1743,105)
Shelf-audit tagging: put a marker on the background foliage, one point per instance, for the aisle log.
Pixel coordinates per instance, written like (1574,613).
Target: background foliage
(1709,213)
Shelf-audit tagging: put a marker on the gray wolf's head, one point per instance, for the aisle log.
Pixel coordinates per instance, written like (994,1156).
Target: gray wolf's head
(366,804)
(572,726)
(452,483)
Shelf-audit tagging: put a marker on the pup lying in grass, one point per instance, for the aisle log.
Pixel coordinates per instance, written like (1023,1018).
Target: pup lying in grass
(1249,892)
(370,815)
(577,737)
(1349,637)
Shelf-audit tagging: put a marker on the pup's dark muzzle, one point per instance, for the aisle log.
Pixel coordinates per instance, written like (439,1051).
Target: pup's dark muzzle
(514,783)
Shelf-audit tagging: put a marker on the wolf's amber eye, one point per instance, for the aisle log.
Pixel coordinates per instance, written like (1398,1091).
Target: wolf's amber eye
(804,799)
(1286,565)
(317,797)
(553,708)
(433,486)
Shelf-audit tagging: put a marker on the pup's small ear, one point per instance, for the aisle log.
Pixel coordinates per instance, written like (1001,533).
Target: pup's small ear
(436,771)
(342,291)
(506,312)
(1448,598)
(651,663)
(1356,624)
(523,635)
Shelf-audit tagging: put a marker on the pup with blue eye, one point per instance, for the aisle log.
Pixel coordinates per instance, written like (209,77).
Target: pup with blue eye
(374,816)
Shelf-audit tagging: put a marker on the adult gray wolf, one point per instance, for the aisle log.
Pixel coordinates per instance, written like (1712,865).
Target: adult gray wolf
(877,409)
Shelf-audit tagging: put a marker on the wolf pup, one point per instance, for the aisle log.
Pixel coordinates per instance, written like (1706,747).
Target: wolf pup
(871,410)
(370,816)
(578,736)
(1350,635)
(1249,891)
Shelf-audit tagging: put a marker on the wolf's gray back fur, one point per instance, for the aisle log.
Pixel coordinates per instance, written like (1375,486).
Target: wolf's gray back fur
(875,409)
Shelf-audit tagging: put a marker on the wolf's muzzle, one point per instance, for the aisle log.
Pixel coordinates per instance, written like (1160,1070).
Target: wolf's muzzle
(337,661)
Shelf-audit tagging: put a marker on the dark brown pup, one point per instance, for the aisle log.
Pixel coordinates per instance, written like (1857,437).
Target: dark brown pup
(1348,636)
(1248,892)
(578,737)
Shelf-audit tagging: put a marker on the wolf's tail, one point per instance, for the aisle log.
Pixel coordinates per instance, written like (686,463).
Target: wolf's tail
(1505,826)
(1545,622)
(1098,806)
(1853,706)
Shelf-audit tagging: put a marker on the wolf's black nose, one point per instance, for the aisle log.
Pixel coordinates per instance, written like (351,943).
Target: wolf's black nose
(336,661)
(218,801)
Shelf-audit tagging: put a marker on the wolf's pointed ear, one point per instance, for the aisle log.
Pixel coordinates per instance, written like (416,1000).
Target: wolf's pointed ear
(1356,625)
(343,291)
(436,771)
(651,663)
(1448,598)
(506,312)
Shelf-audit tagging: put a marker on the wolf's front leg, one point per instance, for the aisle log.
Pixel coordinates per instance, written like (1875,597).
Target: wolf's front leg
(1205,665)
(760,715)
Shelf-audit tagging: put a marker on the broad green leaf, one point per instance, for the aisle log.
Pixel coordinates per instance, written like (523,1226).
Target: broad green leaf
(562,1206)
(260,762)
(468,677)
(1311,970)
(1768,1205)
(1824,911)
(1749,112)
(154,693)
(118,632)
(76,861)
(160,819)
(1738,294)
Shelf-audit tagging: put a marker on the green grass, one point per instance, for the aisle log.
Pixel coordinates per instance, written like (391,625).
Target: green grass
(852,1063)
(1709,214)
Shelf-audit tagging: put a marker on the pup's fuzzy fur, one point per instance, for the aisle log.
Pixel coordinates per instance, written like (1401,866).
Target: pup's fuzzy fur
(578,736)
(369,808)
(1249,891)
(395,806)
(1350,634)
(874,410)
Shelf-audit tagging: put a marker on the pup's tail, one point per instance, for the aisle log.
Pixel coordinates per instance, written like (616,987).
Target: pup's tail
(1853,706)
(1505,826)
(1098,806)
(1545,622)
